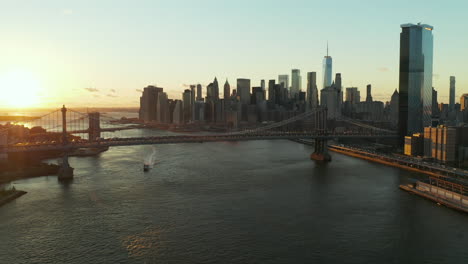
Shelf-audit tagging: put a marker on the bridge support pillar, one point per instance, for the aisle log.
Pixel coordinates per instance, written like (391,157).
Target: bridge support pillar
(321,151)
(65,171)
(94,131)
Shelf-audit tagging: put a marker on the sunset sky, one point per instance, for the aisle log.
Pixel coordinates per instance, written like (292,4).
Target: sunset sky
(101,53)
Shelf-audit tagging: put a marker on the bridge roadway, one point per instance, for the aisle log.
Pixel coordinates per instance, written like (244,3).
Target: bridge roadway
(113,142)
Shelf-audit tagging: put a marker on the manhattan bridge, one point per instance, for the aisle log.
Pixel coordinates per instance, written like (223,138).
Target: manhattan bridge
(67,123)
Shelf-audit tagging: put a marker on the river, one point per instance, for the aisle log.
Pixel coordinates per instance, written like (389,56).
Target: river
(245,202)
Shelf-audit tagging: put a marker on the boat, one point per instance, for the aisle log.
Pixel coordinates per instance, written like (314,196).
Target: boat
(146,167)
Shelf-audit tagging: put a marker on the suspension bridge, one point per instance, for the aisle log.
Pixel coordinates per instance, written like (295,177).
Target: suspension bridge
(57,130)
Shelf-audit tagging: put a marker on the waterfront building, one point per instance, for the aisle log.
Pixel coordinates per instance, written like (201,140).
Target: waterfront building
(148,101)
(312,91)
(162,107)
(296,83)
(452,94)
(415,91)
(327,70)
(446,144)
(464,102)
(243,90)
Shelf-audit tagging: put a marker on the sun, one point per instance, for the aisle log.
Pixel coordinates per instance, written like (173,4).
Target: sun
(19,89)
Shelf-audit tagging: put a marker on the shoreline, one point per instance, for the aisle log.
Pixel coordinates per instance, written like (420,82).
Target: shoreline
(11,197)
(351,153)
(356,155)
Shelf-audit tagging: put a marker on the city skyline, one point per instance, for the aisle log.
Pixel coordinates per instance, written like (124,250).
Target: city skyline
(109,67)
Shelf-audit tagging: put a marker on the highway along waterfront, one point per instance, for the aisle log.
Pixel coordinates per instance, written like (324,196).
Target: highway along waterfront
(228,202)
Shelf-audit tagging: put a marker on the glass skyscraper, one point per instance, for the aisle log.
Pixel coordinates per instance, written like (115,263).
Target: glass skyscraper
(327,71)
(295,83)
(415,92)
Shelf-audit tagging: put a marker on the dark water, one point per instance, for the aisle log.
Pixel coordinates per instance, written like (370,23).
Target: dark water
(249,202)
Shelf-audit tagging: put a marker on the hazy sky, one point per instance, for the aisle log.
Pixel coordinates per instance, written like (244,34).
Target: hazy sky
(114,48)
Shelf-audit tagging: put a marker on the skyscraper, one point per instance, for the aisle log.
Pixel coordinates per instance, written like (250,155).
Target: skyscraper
(369,93)
(192,101)
(464,102)
(284,79)
(271,91)
(452,94)
(186,97)
(312,91)
(327,70)
(148,103)
(435,104)
(394,107)
(353,95)
(227,91)
(199,93)
(415,92)
(243,90)
(295,83)
(262,84)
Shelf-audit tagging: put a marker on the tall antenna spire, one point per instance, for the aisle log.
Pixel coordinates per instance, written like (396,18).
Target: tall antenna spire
(327,48)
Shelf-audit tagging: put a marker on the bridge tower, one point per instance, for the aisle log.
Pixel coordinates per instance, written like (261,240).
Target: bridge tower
(65,171)
(94,130)
(321,145)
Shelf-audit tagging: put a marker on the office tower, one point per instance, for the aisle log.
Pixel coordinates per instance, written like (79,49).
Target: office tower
(162,108)
(327,70)
(452,94)
(271,91)
(209,92)
(148,103)
(199,93)
(227,91)
(353,95)
(262,84)
(186,105)
(415,91)
(464,102)
(243,90)
(339,90)
(278,94)
(295,83)
(177,114)
(215,89)
(369,93)
(329,99)
(312,91)
(284,79)
(192,101)
(435,104)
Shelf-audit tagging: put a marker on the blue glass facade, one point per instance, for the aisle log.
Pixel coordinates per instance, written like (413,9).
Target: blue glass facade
(327,71)
(416,57)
